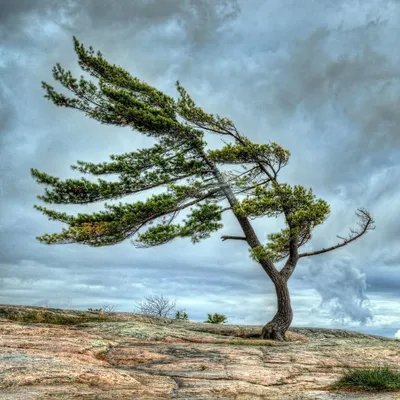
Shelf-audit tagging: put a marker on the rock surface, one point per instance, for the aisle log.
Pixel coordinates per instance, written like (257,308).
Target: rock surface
(140,357)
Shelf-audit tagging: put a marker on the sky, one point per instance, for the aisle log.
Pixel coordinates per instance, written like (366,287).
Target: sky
(319,77)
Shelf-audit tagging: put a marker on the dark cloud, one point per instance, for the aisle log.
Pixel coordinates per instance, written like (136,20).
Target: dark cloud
(200,19)
(6,114)
(10,10)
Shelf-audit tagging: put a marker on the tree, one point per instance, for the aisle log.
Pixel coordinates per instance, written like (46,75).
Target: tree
(157,306)
(179,126)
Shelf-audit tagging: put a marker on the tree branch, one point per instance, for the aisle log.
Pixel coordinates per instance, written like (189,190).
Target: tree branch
(233,237)
(132,231)
(254,186)
(366,225)
(291,263)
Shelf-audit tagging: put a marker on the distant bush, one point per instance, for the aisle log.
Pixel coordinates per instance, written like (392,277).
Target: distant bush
(216,319)
(181,315)
(105,309)
(108,308)
(156,306)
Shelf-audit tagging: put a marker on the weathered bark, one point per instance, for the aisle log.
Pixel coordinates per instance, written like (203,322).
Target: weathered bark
(277,327)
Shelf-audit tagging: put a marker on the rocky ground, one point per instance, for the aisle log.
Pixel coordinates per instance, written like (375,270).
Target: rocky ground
(149,358)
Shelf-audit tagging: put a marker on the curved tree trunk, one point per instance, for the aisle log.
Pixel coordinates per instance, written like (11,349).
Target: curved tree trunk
(277,327)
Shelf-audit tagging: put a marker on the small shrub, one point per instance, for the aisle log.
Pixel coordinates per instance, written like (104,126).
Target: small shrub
(280,381)
(216,319)
(379,378)
(105,309)
(181,315)
(157,306)
(108,308)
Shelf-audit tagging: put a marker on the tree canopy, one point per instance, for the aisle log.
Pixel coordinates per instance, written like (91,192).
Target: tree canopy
(180,154)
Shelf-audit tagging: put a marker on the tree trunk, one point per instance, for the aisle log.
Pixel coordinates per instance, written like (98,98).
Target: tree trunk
(277,327)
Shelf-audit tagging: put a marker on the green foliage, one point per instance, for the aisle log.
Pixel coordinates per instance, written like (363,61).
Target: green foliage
(372,379)
(299,205)
(122,98)
(198,226)
(181,315)
(99,229)
(178,125)
(216,319)
(187,109)
(260,252)
(250,153)
(303,213)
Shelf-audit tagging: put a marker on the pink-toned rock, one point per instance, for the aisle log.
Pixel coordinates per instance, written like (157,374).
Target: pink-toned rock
(149,358)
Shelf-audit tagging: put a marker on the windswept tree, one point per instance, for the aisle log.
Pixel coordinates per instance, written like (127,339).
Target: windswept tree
(190,174)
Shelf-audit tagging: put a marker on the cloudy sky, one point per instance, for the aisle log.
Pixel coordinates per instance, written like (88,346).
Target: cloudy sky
(319,77)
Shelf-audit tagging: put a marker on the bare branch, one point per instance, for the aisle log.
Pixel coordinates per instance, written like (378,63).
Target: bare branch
(157,306)
(221,132)
(233,237)
(224,141)
(365,223)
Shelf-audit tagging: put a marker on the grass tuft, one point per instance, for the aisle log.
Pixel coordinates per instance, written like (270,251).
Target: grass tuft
(373,379)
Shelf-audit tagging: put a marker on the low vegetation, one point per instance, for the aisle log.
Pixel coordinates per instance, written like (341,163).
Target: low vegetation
(215,319)
(181,315)
(153,306)
(47,317)
(371,379)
